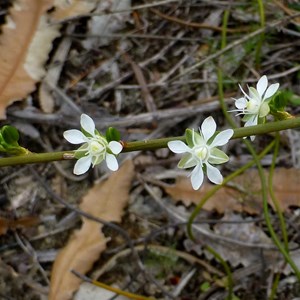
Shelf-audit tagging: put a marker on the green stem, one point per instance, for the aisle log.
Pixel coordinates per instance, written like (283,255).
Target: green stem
(267,217)
(238,133)
(148,144)
(273,197)
(227,271)
(262,35)
(36,158)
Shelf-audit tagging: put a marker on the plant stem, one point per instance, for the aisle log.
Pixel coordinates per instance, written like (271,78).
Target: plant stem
(147,144)
(36,158)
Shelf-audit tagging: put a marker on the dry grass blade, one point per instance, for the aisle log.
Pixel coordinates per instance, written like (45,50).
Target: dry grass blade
(106,201)
(26,40)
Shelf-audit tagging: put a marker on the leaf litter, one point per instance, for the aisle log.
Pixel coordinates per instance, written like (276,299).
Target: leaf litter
(163,42)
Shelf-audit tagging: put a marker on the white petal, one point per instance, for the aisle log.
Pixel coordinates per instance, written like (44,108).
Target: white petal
(213,174)
(241,103)
(197,177)
(222,138)
(111,162)
(75,136)
(245,94)
(87,124)
(115,147)
(178,147)
(82,165)
(272,89)
(262,85)
(208,128)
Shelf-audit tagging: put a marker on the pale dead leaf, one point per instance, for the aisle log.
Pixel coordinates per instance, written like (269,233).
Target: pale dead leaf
(106,201)
(26,40)
(286,185)
(107,24)
(69,8)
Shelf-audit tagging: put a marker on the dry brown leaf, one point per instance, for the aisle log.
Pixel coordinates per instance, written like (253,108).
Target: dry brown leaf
(106,201)
(26,40)
(286,185)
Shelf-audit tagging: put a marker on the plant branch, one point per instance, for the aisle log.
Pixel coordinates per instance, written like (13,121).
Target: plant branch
(147,144)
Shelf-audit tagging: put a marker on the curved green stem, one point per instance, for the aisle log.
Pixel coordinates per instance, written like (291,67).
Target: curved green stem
(273,197)
(227,271)
(267,217)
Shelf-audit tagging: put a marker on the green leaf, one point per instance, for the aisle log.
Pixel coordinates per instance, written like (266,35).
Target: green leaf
(280,101)
(204,286)
(112,134)
(10,134)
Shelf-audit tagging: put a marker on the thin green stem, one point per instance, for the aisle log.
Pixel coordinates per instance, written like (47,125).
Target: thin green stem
(211,192)
(32,158)
(273,197)
(226,269)
(261,11)
(267,217)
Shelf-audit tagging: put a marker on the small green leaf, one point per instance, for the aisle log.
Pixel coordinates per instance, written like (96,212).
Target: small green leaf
(112,134)
(10,134)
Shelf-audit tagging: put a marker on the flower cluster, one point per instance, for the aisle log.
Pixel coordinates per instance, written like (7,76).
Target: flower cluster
(95,149)
(200,150)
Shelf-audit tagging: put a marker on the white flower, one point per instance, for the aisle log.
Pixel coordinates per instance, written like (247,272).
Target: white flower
(201,152)
(256,104)
(95,148)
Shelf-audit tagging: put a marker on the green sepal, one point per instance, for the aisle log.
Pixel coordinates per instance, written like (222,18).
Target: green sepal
(192,137)
(280,101)
(81,151)
(112,134)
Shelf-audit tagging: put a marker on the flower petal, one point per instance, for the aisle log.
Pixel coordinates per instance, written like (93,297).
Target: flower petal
(197,177)
(87,124)
(213,174)
(82,165)
(208,128)
(115,147)
(222,138)
(272,89)
(241,103)
(262,85)
(75,136)
(111,162)
(178,147)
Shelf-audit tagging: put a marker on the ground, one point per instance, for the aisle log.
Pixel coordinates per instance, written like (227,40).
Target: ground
(151,72)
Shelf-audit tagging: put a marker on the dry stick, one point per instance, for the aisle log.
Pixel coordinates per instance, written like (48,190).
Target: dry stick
(234,44)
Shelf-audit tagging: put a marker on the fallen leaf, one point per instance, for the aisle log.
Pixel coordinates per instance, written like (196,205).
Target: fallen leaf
(106,201)
(247,194)
(104,24)
(26,40)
